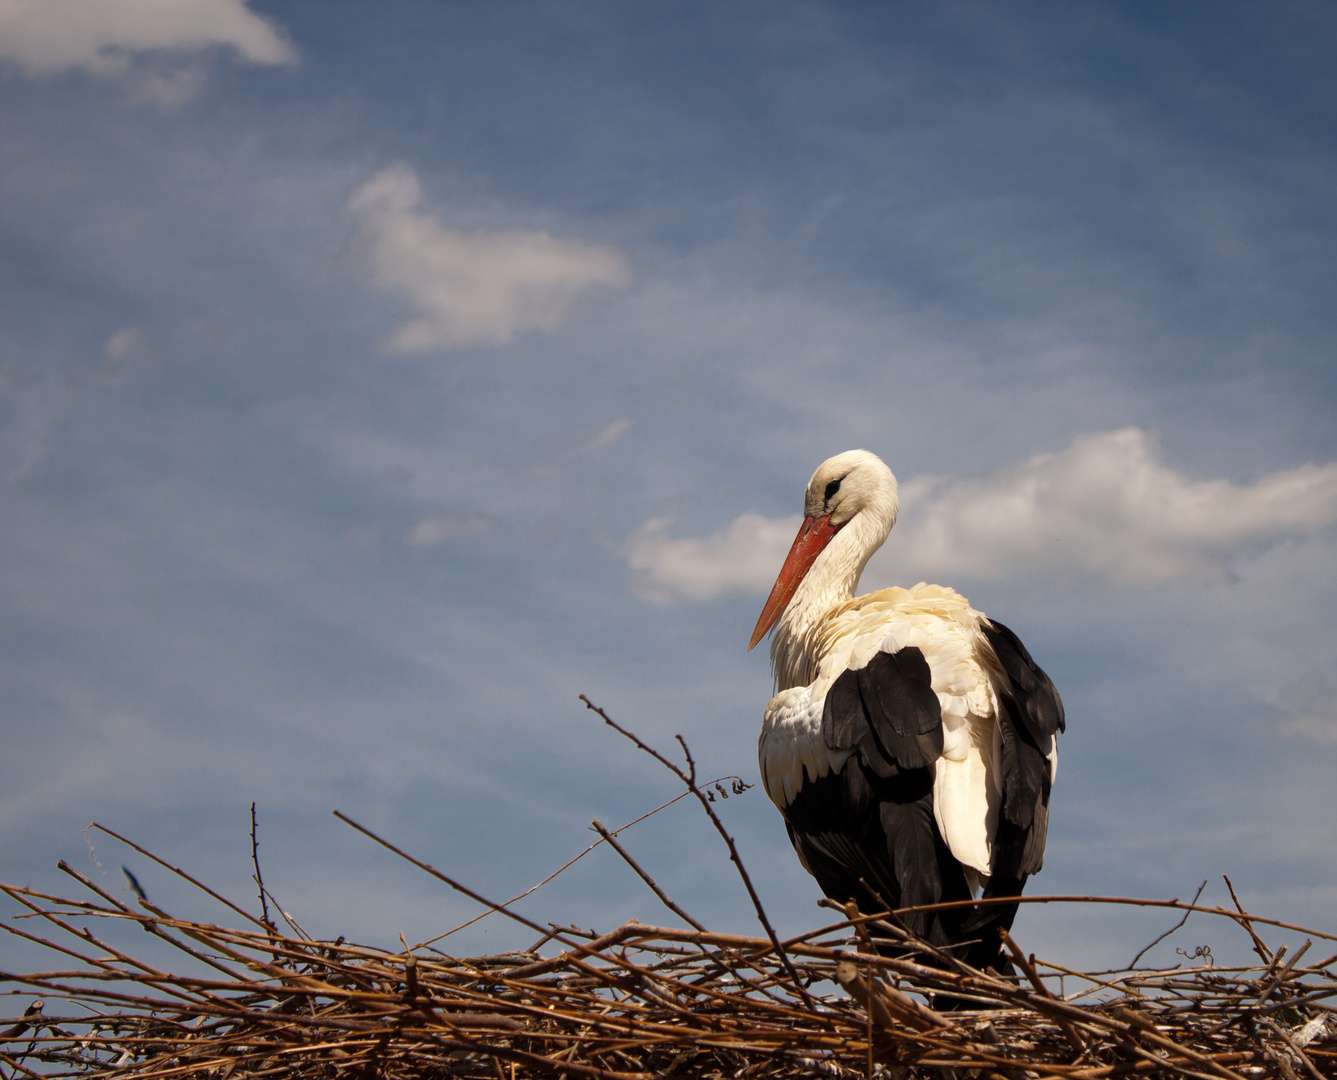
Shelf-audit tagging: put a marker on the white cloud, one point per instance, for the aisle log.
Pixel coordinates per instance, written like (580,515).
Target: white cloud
(436,529)
(1107,510)
(744,557)
(99,36)
(470,288)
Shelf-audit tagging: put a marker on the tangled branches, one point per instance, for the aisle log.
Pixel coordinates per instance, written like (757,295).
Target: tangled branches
(640,1001)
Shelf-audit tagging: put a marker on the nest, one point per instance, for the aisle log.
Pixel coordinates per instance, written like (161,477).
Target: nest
(641,1001)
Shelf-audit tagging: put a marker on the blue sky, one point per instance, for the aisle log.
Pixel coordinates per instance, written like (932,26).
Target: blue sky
(374,379)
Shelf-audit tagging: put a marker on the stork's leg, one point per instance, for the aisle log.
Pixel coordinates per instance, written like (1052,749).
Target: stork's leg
(988,923)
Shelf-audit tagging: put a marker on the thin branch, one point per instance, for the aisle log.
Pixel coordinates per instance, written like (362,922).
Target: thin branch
(570,943)
(177,871)
(1247,923)
(258,879)
(689,778)
(567,865)
(1133,963)
(1130,901)
(664,897)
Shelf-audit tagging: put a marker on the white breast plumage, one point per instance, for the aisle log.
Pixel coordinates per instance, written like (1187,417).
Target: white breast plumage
(790,749)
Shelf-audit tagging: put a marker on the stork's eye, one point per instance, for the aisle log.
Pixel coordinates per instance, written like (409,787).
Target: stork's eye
(831,489)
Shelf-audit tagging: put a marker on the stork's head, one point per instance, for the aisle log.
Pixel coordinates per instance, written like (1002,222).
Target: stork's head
(851,489)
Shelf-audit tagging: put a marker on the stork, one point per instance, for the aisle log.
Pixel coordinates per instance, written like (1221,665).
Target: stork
(910,744)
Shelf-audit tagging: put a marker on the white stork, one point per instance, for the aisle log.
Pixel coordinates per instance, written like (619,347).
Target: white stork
(910,742)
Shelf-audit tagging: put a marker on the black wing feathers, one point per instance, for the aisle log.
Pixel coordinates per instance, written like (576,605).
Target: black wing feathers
(1030,714)
(844,724)
(897,688)
(873,840)
(888,710)
(1042,708)
(913,842)
(868,833)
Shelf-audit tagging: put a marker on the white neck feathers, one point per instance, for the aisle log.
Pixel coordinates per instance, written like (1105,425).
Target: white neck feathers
(829,584)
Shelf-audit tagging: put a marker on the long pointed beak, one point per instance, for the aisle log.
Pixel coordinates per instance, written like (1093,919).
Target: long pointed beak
(813,535)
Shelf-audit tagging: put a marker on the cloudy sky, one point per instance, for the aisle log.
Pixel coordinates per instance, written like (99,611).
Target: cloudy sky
(375,379)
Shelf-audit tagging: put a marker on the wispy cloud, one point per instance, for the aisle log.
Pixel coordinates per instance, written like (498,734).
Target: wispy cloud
(470,288)
(123,342)
(435,529)
(122,352)
(166,87)
(1311,708)
(1107,510)
(48,36)
(609,436)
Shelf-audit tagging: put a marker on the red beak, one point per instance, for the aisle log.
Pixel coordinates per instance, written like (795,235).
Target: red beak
(813,535)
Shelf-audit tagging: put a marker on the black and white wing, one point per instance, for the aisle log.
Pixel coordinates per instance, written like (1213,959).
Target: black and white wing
(935,762)
(868,831)
(1029,716)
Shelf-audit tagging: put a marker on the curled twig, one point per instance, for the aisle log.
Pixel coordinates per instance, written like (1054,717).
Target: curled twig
(1156,941)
